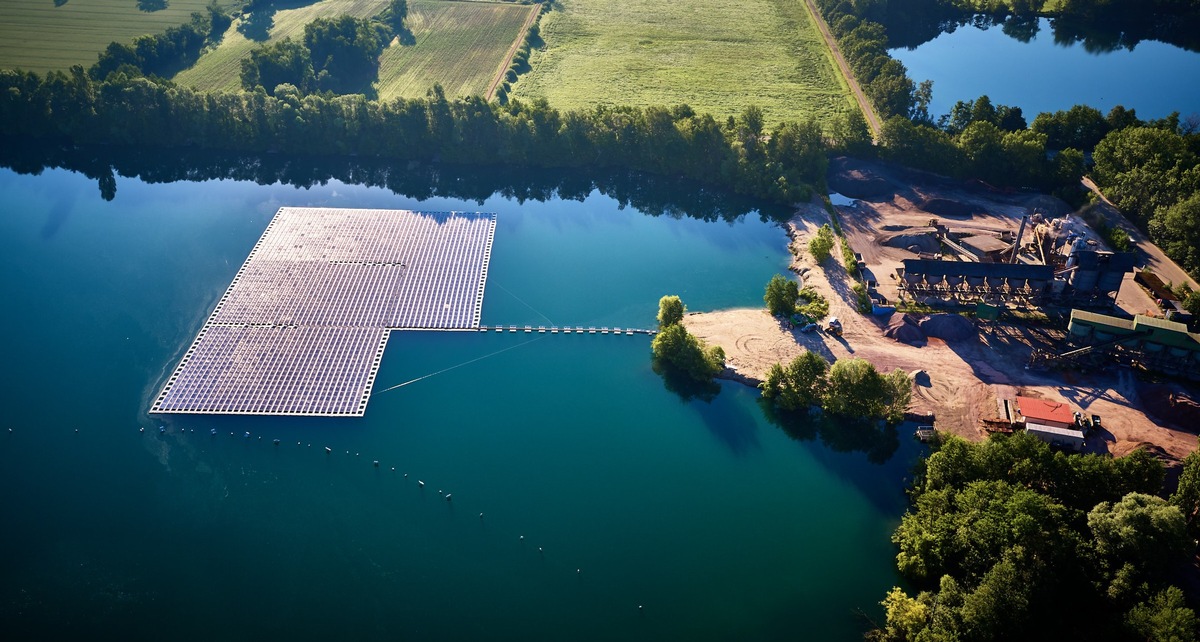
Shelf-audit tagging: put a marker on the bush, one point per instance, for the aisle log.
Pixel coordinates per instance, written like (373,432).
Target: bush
(864,299)
(848,258)
(822,243)
(812,304)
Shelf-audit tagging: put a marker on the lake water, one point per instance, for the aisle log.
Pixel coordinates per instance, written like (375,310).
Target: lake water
(1044,76)
(601,490)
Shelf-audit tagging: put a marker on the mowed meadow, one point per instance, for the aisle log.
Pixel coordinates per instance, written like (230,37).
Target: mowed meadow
(460,45)
(220,68)
(43,35)
(718,56)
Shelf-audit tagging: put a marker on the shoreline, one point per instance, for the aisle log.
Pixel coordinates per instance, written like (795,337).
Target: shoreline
(961,383)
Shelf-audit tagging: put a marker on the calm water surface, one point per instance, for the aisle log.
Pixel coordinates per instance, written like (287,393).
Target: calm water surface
(1043,76)
(714,521)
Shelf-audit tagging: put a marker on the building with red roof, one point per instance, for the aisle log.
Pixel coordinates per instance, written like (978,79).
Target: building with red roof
(1047,413)
(1051,421)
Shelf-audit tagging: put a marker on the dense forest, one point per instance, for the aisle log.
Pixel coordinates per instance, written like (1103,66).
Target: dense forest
(1009,540)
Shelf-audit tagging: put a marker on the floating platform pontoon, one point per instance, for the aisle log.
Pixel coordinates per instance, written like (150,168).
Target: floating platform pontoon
(302,328)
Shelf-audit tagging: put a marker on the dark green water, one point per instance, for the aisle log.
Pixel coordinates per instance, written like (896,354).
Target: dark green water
(714,521)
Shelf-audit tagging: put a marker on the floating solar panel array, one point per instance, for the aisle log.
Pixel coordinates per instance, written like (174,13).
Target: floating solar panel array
(302,328)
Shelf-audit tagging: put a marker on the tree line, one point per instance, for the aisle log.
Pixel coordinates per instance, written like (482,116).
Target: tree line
(1149,169)
(1007,540)
(650,194)
(741,154)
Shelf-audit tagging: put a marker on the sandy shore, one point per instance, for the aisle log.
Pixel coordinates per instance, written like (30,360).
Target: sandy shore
(961,383)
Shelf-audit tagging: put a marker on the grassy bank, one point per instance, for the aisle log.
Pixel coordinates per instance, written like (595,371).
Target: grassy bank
(42,35)
(716,55)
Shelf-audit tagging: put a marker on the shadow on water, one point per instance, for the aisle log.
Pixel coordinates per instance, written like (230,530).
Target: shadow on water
(653,195)
(840,434)
(883,477)
(914,24)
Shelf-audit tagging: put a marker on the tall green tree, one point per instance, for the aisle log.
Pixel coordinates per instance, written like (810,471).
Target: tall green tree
(798,385)
(1165,617)
(856,389)
(681,351)
(821,244)
(781,295)
(670,311)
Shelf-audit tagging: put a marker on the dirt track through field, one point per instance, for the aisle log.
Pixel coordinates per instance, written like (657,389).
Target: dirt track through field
(863,103)
(534,12)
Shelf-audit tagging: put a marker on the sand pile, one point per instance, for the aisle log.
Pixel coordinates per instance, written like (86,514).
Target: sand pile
(910,240)
(1172,404)
(951,209)
(904,328)
(856,180)
(948,327)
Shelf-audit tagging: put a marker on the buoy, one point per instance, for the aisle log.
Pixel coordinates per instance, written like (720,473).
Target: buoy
(448,496)
(578,571)
(213,432)
(328,450)
(142,429)
(161,430)
(247,435)
(377,463)
(540,551)
(76,430)
(406,475)
(481,516)
(393,469)
(276,442)
(522,537)
(420,483)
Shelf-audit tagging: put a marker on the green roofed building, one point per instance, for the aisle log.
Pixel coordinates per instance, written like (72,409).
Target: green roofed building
(1149,342)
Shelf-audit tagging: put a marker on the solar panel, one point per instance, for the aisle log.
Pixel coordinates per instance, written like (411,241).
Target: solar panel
(302,328)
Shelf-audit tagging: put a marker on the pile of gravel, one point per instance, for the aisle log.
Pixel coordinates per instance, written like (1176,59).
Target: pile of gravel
(922,242)
(948,327)
(904,328)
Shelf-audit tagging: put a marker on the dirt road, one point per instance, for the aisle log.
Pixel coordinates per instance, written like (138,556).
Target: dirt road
(863,104)
(1150,254)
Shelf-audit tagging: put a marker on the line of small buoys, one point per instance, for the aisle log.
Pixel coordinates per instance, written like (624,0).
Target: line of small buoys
(376,464)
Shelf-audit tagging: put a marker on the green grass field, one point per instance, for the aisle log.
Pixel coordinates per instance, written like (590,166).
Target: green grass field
(36,35)
(220,69)
(716,55)
(461,45)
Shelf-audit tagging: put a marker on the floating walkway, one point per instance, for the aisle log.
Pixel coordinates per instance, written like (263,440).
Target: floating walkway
(302,328)
(541,329)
